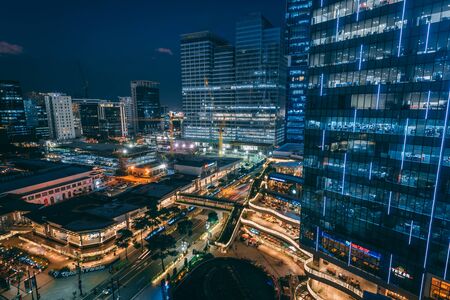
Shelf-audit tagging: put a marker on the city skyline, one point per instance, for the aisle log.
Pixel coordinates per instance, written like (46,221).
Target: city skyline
(311,153)
(144,52)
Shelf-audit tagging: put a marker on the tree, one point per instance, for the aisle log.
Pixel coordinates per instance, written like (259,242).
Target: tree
(143,223)
(123,241)
(153,211)
(185,226)
(164,245)
(212,217)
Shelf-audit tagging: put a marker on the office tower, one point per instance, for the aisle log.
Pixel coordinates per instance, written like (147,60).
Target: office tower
(12,111)
(145,97)
(77,120)
(260,82)
(207,76)
(60,116)
(129,113)
(239,91)
(113,122)
(376,162)
(89,113)
(298,19)
(36,115)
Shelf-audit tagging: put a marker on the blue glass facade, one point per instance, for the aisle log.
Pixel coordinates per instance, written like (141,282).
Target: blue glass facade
(145,97)
(12,111)
(377,141)
(298,19)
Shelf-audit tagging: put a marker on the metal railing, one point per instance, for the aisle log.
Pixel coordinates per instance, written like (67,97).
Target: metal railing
(331,278)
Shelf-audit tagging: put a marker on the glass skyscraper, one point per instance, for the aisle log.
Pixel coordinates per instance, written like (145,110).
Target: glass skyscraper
(207,76)
(89,113)
(260,81)
(298,19)
(12,110)
(377,146)
(36,115)
(239,91)
(145,97)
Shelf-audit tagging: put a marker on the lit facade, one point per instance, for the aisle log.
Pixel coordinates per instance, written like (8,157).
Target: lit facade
(36,115)
(376,162)
(260,82)
(146,105)
(12,111)
(238,91)
(89,113)
(298,19)
(207,75)
(60,116)
(113,120)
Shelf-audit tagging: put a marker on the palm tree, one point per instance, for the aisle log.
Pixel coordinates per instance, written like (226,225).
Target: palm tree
(212,217)
(185,227)
(163,243)
(123,241)
(143,223)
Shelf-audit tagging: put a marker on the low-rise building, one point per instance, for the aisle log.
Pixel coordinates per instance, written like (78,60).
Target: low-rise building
(196,167)
(289,150)
(88,224)
(109,157)
(48,183)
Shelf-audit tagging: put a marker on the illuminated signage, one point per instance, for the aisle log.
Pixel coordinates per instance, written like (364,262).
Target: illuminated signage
(401,272)
(277,179)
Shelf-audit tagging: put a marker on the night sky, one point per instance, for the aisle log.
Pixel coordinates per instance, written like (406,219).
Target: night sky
(52,45)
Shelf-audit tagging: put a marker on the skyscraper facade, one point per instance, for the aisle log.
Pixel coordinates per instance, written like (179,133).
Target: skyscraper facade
(60,116)
(207,76)
(129,113)
(146,105)
(377,147)
(113,122)
(36,115)
(89,113)
(12,110)
(298,19)
(260,81)
(238,92)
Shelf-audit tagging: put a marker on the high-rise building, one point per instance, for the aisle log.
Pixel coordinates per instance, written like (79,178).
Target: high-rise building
(129,112)
(238,92)
(36,115)
(260,82)
(89,113)
(298,19)
(60,116)
(207,75)
(113,120)
(12,111)
(377,148)
(145,97)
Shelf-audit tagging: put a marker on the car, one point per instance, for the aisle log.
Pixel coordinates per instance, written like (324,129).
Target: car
(107,291)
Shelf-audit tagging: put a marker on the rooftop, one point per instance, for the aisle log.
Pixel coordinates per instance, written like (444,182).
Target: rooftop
(39,172)
(168,184)
(10,203)
(88,212)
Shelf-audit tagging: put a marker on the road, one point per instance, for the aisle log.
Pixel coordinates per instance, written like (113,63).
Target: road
(140,272)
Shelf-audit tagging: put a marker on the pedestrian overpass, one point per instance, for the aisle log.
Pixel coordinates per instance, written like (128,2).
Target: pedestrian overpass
(205,202)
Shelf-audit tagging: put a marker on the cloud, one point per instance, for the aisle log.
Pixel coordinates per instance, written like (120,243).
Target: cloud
(164,51)
(12,49)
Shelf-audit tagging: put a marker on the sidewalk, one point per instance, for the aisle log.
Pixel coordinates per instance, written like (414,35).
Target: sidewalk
(276,263)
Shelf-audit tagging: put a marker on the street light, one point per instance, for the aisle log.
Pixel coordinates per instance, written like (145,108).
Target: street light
(184,246)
